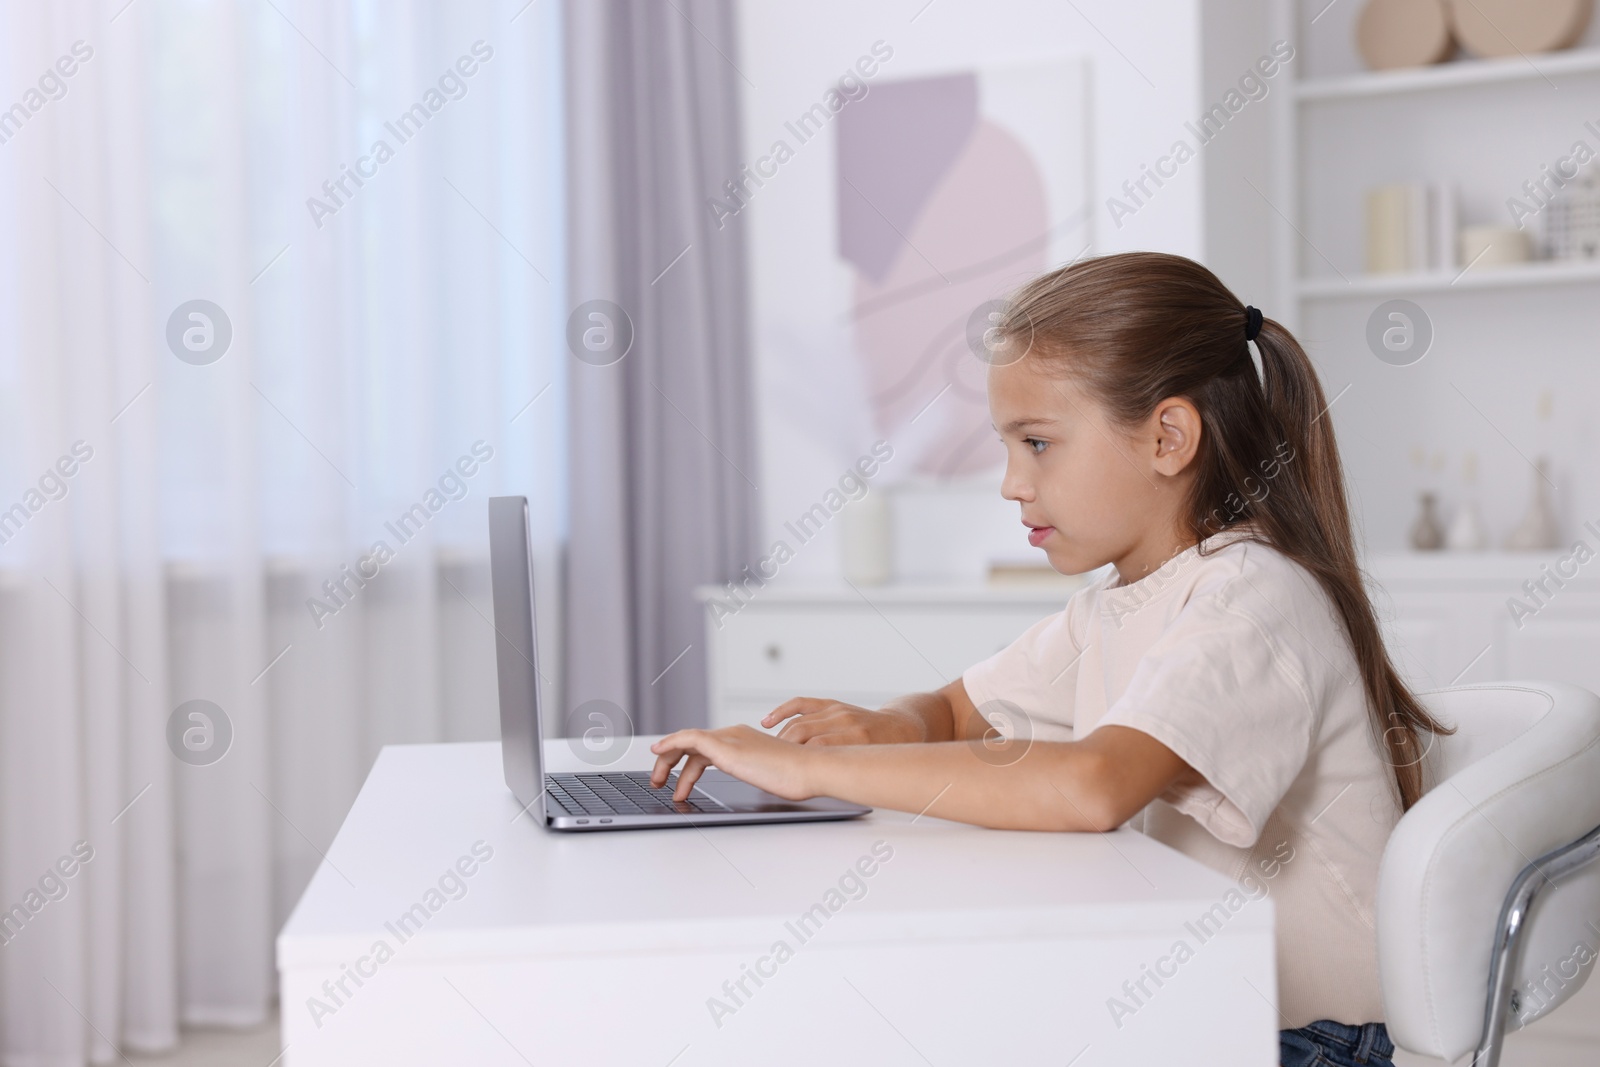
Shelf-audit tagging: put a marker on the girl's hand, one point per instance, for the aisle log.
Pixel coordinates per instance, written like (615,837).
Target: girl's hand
(828,722)
(743,751)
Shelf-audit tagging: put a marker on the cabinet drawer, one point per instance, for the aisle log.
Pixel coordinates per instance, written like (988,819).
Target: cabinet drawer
(832,650)
(1556,644)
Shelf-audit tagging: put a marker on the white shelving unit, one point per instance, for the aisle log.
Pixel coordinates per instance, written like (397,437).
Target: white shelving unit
(1377,90)
(1450,75)
(1537,273)
(1505,340)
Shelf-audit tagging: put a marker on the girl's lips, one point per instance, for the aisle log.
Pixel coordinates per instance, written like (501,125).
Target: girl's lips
(1037,535)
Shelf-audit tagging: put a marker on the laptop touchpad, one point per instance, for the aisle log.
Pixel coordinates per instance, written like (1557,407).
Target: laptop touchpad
(743,796)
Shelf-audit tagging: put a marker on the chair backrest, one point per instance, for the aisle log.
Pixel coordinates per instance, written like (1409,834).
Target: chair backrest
(1519,778)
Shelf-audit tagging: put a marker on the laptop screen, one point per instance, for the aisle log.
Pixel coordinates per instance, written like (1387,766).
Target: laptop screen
(516,652)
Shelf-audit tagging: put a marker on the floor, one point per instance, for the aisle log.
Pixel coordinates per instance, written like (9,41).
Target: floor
(1563,1041)
(1567,1038)
(220,1048)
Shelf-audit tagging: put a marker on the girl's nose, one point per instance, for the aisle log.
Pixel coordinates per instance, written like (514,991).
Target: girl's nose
(1014,487)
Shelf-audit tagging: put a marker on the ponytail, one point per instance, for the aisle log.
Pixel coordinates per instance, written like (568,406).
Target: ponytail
(1139,327)
(1312,527)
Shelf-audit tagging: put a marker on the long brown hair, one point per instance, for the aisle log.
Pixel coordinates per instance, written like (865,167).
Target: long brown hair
(1139,327)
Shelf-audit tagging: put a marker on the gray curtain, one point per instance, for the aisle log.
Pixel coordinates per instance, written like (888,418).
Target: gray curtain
(663,464)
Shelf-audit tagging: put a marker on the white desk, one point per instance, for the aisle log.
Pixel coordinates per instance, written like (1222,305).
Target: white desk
(968,946)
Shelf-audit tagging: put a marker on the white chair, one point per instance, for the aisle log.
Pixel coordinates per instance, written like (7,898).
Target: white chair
(1488,904)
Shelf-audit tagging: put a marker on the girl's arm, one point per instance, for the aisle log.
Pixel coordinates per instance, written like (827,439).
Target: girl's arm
(945,715)
(1095,784)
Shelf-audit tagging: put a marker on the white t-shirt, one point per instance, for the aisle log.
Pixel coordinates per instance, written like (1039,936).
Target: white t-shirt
(1237,661)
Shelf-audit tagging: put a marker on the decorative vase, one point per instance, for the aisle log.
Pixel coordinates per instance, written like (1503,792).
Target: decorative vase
(1466,530)
(1466,533)
(1427,535)
(866,539)
(1538,527)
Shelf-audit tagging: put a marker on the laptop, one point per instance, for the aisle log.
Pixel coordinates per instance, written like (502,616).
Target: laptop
(597,799)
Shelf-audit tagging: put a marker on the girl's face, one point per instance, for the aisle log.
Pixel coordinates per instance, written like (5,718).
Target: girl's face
(1092,492)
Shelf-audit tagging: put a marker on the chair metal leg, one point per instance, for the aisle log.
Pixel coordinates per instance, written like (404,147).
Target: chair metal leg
(1542,872)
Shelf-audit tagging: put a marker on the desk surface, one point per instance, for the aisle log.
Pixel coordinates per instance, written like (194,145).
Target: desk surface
(651,946)
(423,807)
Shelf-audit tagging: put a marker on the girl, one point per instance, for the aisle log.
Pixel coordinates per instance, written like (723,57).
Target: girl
(1224,686)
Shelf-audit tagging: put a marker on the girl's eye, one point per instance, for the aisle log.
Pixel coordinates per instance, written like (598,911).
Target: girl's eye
(1034,443)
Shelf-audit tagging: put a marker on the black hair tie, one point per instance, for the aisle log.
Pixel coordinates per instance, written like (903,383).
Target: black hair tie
(1252,322)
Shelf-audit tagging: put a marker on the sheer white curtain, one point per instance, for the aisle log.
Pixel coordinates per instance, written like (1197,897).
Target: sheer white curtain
(289,528)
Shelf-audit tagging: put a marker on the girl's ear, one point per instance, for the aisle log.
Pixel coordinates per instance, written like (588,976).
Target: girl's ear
(1176,423)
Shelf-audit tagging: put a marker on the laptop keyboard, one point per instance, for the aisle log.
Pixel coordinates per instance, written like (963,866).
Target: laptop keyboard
(623,794)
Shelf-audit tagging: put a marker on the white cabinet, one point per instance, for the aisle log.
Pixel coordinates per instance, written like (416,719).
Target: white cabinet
(859,646)
(1447,618)
(1453,618)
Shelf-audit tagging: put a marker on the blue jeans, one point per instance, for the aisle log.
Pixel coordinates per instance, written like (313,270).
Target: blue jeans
(1329,1044)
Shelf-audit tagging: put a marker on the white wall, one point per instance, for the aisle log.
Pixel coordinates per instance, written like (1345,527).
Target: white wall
(1240,201)
(1146,81)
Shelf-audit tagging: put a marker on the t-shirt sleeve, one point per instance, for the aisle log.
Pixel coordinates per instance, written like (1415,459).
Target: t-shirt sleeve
(1222,692)
(1036,674)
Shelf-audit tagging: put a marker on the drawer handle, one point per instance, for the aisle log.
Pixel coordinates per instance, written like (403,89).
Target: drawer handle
(774,653)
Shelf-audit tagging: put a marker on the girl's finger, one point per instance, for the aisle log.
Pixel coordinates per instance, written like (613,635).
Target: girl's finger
(664,764)
(788,709)
(799,731)
(693,768)
(669,750)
